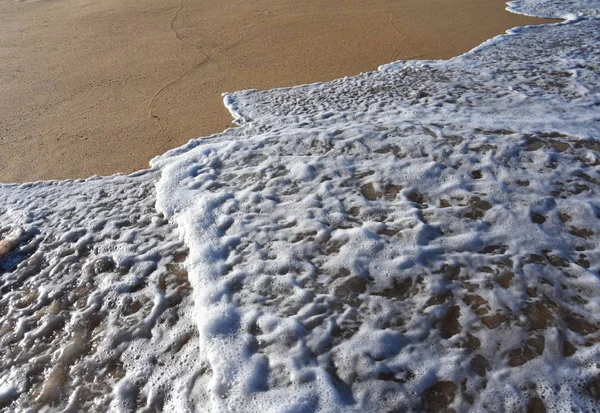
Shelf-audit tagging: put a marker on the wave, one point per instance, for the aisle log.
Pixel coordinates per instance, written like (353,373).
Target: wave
(420,238)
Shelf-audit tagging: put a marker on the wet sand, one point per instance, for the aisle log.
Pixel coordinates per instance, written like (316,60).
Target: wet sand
(95,87)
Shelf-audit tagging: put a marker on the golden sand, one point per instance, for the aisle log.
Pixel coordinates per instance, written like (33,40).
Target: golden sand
(95,87)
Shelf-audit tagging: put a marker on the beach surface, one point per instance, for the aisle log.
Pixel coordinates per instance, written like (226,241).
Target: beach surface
(420,238)
(100,87)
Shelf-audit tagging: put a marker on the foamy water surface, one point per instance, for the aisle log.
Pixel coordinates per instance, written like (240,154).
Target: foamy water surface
(421,238)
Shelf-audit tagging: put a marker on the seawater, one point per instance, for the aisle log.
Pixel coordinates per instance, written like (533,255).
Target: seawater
(421,238)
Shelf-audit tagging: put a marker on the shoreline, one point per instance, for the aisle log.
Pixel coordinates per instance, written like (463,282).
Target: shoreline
(146,77)
(420,238)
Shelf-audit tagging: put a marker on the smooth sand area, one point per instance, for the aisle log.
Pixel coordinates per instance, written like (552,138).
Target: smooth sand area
(95,87)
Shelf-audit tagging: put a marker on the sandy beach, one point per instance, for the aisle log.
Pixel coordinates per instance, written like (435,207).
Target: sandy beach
(420,238)
(100,87)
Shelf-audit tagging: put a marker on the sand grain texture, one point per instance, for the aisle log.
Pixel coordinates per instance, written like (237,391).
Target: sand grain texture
(99,87)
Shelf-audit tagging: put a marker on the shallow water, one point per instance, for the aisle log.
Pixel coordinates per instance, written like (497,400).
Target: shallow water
(422,238)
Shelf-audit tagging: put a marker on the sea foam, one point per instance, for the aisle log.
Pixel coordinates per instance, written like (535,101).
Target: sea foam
(421,238)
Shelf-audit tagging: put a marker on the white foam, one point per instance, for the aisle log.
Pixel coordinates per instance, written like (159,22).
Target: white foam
(420,238)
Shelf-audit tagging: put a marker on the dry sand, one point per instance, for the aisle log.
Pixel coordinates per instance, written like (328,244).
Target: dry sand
(101,86)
